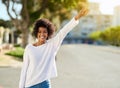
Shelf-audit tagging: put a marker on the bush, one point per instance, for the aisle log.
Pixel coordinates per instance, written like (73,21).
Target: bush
(111,35)
(95,35)
(18,52)
(17,45)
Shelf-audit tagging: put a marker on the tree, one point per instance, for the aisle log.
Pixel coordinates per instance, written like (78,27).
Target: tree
(33,9)
(95,35)
(111,35)
(6,24)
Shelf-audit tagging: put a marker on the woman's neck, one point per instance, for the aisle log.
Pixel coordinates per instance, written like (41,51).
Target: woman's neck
(39,43)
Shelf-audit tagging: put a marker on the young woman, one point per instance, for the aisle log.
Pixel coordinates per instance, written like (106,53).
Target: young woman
(39,58)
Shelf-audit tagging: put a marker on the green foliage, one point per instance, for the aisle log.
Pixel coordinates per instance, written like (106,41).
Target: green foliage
(111,35)
(54,7)
(95,35)
(33,9)
(17,45)
(18,52)
(6,24)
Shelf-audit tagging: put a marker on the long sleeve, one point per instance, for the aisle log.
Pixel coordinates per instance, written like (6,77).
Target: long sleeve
(24,69)
(63,32)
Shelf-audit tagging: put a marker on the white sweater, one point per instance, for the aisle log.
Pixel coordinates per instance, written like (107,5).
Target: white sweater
(39,61)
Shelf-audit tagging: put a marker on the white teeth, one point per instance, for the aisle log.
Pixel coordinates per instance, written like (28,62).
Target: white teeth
(42,37)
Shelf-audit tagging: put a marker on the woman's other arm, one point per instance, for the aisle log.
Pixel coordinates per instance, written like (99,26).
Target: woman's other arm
(24,69)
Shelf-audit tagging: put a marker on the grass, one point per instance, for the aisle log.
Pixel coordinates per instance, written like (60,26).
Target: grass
(18,52)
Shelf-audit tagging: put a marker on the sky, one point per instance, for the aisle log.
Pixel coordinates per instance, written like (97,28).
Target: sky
(3,12)
(106,7)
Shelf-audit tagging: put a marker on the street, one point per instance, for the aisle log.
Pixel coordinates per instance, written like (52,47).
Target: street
(79,66)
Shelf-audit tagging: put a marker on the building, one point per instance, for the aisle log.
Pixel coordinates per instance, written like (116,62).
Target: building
(1,34)
(116,16)
(92,23)
(94,9)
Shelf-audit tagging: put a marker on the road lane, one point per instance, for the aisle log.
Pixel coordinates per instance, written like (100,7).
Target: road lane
(83,66)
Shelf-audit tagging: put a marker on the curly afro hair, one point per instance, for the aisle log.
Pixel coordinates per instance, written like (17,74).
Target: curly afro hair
(46,24)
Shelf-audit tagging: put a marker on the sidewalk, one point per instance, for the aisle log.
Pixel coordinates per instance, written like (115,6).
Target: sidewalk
(8,61)
(9,69)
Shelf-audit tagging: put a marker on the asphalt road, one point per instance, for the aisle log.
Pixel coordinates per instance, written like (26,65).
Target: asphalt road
(79,66)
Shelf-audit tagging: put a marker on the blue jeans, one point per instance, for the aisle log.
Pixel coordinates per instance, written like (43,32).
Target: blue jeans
(44,84)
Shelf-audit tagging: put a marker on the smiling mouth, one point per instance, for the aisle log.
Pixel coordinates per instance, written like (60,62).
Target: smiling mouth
(41,37)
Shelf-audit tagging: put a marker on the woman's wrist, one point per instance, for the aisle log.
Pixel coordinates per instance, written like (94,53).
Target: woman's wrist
(77,17)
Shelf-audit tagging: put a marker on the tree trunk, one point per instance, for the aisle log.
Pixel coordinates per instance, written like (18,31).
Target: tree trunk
(25,37)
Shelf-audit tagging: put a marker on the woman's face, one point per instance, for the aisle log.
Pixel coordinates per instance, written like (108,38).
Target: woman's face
(42,34)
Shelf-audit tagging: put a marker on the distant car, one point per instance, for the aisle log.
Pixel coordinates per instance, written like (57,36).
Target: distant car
(98,42)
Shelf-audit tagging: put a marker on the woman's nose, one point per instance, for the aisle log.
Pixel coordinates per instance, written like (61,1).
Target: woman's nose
(42,34)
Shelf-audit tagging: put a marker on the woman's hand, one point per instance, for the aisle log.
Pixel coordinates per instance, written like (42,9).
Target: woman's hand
(82,12)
